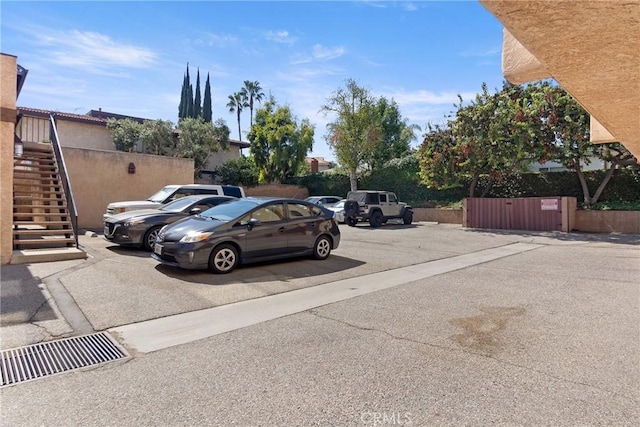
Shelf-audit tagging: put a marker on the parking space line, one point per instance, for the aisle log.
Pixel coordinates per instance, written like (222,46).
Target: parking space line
(157,334)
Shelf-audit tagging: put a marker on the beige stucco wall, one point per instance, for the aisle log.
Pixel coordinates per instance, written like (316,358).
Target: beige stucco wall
(608,221)
(84,135)
(219,158)
(101,177)
(8,93)
(445,216)
(591,48)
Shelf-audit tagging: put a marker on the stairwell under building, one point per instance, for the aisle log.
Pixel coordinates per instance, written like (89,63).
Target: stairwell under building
(44,218)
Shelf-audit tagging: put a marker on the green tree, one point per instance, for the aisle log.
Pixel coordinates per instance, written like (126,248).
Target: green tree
(125,133)
(279,143)
(241,171)
(198,139)
(190,106)
(186,97)
(206,103)
(237,102)
(197,101)
(252,92)
(494,136)
(567,127)
(356,131)
(396,134)
(158,137)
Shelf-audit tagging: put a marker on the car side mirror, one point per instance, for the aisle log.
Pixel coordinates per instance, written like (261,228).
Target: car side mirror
(195,211)
(253,222)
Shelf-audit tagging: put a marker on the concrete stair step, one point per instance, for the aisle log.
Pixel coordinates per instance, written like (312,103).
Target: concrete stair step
(59,205)
(42,223)
(28,256)
(45,241)
(39,214)
(42,232)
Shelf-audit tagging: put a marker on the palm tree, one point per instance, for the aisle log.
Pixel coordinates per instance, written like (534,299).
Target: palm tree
(236,104)
(252,92)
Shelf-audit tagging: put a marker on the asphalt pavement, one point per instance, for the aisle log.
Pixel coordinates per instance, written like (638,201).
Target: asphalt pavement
(423,325)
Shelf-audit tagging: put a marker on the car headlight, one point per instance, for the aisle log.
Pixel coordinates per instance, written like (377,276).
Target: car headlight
(133,222)
(195,237)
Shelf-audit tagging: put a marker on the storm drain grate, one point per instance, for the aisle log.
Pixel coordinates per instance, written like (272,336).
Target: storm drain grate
(54,357)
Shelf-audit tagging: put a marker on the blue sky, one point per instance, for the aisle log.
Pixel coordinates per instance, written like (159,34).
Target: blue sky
(129,57)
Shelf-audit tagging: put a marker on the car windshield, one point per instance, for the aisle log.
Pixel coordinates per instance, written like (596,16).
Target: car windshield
(230,210)
(162,195)
(178,205)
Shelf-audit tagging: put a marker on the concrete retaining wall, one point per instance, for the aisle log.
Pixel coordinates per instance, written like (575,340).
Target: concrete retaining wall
(608,221)
(101,177)
(446,216)
(278,190)
(627,222)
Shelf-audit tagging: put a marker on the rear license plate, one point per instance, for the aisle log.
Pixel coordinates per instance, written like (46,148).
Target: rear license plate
(157,249)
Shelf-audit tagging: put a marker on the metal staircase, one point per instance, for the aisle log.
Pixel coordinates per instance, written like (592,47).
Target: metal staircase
(44,223)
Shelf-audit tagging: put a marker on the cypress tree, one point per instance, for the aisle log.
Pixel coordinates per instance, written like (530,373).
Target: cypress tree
(190,102)
(186,103)
(197,109)
(206,104)
(182,95)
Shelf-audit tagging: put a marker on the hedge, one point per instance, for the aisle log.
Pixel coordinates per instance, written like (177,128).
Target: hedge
(624,186)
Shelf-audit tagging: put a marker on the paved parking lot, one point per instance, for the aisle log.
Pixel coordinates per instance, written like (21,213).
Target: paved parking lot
(119,285)
(546,336)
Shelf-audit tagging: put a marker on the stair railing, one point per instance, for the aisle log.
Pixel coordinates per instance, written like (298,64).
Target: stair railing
(66,185)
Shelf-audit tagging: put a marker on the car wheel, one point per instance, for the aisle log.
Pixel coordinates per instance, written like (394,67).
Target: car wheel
(322,248)
(351,208)
(407,218)
(150,238)
(351,222)
(376,219)
(224,258)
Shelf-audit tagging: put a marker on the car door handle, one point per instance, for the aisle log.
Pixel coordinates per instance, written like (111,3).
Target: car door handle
(312,224)
(281,229)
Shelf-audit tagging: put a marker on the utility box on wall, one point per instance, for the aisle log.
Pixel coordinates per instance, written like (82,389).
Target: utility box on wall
(521,213)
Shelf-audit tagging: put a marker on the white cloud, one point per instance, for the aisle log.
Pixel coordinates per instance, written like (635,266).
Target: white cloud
(374,3)
(304,74)
(78,48)
(429,98)
(218,40)
(409,6)
(280,37)
(323,53)
(318,53)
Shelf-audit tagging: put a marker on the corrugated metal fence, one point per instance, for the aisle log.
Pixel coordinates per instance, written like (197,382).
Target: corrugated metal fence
(523,213)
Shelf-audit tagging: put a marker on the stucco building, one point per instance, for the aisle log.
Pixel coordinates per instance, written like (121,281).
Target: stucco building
(33,203)
(591,48)
(90,131)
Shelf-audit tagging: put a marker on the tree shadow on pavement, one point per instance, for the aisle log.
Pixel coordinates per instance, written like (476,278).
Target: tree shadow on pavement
(280,270)
(615,238)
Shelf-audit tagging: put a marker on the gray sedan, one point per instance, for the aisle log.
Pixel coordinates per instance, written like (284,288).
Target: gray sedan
(141,227)
(248,230)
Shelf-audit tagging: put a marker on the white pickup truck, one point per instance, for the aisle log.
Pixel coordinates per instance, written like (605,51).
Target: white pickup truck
(170,193)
